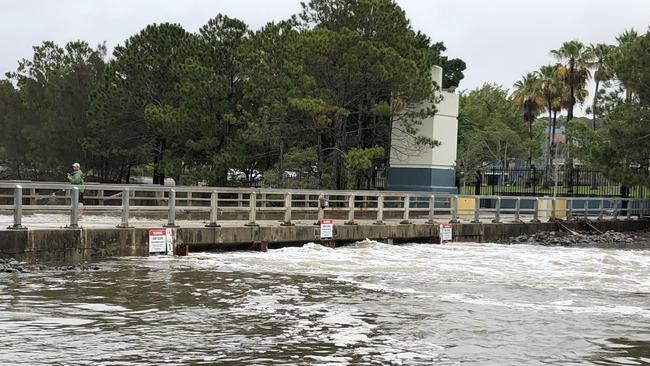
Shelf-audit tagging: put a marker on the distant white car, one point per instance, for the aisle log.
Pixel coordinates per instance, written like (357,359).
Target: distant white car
(170,182)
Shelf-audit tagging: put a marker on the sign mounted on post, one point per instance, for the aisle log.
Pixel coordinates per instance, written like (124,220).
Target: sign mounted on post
(445,232)
(157,241)
(326,229)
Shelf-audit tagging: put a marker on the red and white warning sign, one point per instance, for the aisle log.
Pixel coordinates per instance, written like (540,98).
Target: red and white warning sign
(157,241)
(326,229)
(445,232)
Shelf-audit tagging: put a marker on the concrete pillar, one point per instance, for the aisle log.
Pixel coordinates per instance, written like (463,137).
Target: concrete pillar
(380,210)
(288,202)
(351,210)
(18,209)
(214,209)
(125,209)
(407,210)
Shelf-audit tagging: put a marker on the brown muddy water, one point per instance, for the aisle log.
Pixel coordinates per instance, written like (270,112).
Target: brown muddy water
(364,304)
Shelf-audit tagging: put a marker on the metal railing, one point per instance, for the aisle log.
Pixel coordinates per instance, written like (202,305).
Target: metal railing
(213,205)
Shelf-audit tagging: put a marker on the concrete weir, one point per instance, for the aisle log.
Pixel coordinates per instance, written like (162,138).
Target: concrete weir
(71,246)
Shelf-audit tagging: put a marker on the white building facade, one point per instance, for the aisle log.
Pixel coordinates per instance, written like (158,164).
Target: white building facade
(427,169)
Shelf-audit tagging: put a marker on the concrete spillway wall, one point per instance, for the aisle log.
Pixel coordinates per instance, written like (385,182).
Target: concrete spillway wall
(70,246)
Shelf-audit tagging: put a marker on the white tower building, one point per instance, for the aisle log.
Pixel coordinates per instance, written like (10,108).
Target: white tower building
(428,169)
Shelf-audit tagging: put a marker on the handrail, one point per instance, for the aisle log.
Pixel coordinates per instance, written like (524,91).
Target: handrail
(401,206)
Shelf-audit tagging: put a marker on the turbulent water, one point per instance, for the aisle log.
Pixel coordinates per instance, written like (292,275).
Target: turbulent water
(365,304)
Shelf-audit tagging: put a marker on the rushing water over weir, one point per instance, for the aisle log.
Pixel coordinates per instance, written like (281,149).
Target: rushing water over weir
(364,304)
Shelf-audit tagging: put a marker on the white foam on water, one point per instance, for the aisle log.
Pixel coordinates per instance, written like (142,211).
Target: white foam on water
(101,307)
(522,265)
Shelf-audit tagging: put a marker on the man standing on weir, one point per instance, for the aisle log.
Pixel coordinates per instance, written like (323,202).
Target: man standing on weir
(77,178)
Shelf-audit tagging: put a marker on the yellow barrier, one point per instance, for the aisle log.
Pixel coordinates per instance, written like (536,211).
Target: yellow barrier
(545,207)
(466,206)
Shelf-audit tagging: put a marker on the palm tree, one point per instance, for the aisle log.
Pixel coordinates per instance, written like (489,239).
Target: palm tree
(601,56)
(552,94)
(574,70)
(528,95)
(629,36)
(625,39)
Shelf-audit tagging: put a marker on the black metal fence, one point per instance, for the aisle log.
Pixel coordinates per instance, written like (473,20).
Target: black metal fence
(557,181)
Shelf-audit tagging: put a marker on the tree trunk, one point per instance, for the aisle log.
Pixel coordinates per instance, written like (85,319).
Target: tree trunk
(572,101)
(128,174)
(320,160)
(594,106)
(281,164)
(158,176)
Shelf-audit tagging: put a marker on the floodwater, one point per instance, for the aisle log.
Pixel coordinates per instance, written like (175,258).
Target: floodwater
(364,304)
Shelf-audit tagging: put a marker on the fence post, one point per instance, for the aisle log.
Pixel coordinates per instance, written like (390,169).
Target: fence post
(432,209)
(517,209)
(477,209)
(535,210)
(351,210)
(252,209)
(497,211)
(287,210)
(586,206)
(407,209)
(569,213)
(601,208)
(454,209)
(18,209)
(125,209)
(214,209)
(74,211)
(380,210)
(171,208)
(617,204)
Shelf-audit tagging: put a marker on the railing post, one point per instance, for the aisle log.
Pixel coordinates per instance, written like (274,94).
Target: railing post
(74,211)
(407,210)
(380,210)
(629,209)
(454,209)
(171,208)
(214,209)
(535,210)
(601,208)
(351,210)
(125,209)
(517,208)
(321,209)
(553,209)
(569,213)
(497,211)
(432,209)
(288,202)
(586,206)
(18,209)
(477,209)
(617,204)
(252,209)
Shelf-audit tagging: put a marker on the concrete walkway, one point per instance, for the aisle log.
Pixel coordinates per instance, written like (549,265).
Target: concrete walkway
(51,221)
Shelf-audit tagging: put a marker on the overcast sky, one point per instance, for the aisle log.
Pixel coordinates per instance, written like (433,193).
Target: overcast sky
(499,39)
